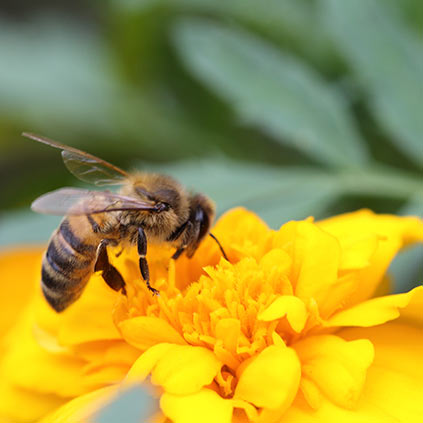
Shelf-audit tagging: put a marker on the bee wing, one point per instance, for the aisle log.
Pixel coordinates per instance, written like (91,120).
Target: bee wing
(77,201)
(83,165)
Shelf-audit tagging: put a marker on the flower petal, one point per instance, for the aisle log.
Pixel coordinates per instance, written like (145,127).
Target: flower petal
(59,372)
(205,406)
(337,367)
(357,250)
(19,276)
(89,319)
(286,305)
(146,362)
(316,257)
(270,379)
(394,385)
(185,369)
(413,313)
(243,234)
(311,393)
(17,404)
(330,412)
(179,369)
(375,311)
(98,376)
(145,331)
(83,408)
(228,331)
(104,353)
(393,232)
(398,347)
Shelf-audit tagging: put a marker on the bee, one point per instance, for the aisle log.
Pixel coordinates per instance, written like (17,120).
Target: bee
(148,208)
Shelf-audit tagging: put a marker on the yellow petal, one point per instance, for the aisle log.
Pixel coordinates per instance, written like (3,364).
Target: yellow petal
(339,293)
(243,219)
(410,229)
(270,379)
(179,369)
(357,250)
(244,412)
(82,409)
(144,331)
(90,318)
(276,261)
(398,347)
(19,276)
(185,369)
(228,330)
(107,352)
(393,233)
(146,362)
(17,404)
(243,234)
(311,393)
(286,305)
(413,313)
(95,377)
(316,258)
(375,311)
(337,367)
(26,363)
(329,412)
(393,389)
(205,406)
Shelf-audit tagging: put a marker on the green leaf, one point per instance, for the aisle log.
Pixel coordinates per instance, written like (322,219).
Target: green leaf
(276,194)
(272,90)
(287,21)
(134,405)
(26,227)
(59,78)
(55,74)
(387,58)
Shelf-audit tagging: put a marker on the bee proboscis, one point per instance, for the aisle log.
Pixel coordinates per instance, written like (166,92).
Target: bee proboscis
(148,208)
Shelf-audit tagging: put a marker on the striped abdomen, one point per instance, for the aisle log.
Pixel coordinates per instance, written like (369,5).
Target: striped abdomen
(69,261)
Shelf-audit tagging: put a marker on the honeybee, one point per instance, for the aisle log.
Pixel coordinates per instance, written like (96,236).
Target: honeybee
(148,208)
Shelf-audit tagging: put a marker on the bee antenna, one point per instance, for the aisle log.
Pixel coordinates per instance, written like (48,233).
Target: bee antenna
(220,246)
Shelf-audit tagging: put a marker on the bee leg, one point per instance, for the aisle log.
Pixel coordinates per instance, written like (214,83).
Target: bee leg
(188,229)
(118,254)
(195,233)
(178,231)
(110,274)
(142,251)
(178,252)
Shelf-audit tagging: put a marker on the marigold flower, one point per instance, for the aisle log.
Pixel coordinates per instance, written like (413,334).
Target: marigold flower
(293,328)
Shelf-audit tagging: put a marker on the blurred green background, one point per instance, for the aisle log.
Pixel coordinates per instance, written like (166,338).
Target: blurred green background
(288,107)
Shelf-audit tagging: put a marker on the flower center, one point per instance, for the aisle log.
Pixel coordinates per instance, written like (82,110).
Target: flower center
(234,309)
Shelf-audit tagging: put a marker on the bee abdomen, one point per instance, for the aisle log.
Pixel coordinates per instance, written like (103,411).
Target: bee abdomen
(64,260)
(60,291)
(75,243)
(66,268)
(62,286)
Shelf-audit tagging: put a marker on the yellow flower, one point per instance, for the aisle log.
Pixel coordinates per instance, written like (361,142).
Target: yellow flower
(291,329)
